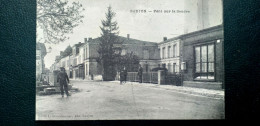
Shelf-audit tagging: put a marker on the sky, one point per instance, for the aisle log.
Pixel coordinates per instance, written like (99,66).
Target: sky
(149,26)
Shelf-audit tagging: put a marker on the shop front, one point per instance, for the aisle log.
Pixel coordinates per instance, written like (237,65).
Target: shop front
(203,58)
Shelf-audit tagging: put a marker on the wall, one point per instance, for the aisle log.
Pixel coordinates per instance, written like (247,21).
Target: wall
(210,35)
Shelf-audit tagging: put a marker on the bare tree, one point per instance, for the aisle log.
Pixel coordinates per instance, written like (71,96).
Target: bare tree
(57,18)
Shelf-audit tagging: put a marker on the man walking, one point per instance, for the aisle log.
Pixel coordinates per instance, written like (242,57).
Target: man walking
(62,78)
(140,73)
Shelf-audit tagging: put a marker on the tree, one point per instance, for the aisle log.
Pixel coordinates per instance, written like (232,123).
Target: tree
(56,19)
(67,51)
(130,61)
(107,47)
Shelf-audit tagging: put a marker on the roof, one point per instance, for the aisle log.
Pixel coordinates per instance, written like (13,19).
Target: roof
(203,31)
(78,44)
(206,30)
(171,39)
(127,41)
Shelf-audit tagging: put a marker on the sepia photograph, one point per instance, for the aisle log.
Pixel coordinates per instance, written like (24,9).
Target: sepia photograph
(129,60)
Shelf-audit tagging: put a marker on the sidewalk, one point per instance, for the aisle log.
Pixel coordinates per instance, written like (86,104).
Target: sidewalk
(218,94)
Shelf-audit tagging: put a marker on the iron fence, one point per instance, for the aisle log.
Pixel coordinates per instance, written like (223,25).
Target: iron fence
(148,77)
(152,77)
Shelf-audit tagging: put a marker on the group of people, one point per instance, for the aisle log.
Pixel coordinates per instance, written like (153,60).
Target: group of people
(123,75)
(63,79)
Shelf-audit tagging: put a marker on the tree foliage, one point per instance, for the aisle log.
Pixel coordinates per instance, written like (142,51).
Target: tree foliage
(67,51)
(57,18)
(107,49)
(130,61)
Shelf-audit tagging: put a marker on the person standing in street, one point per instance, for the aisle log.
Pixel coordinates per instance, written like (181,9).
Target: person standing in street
(63,79)
(125,74)
(140,73)
(121,76)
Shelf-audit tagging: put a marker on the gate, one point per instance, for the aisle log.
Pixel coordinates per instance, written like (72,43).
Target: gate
(148,77)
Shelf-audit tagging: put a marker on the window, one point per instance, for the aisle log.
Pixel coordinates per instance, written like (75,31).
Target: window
(146,67)
(75,62)
(123,52)
(169,67)
(174,67)
(163,52)
(204,62)
(169,51)
(174,51)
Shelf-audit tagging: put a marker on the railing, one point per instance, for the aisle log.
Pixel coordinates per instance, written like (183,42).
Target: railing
(148,77)
(132,76)
(152,77)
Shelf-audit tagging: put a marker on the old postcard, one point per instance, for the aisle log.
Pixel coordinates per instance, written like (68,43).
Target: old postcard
(129,60)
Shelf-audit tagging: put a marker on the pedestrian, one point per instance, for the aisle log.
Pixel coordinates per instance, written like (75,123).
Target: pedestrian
(121,76)
(63,80)
(125,74)
(140,73)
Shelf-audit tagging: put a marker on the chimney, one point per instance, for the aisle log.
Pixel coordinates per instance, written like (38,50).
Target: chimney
(164,38)
(128,36)
(85,39)
(89,39)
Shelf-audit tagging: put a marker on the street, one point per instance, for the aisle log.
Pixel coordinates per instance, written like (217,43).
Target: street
(97,100)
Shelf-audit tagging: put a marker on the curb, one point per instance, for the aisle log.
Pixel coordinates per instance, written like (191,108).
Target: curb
(188,90)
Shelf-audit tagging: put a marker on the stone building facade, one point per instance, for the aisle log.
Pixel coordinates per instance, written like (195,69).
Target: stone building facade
(170,54)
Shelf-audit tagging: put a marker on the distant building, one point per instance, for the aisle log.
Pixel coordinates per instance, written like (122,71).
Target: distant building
(147,52)
(40,54)
(170,54)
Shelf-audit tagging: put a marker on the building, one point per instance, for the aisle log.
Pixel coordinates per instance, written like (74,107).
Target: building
(147,52)
(170,54)
(82,63)
(203,57)
(197,54)
(40,54)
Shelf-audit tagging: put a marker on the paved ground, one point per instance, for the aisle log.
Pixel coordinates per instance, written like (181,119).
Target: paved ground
(110,100)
